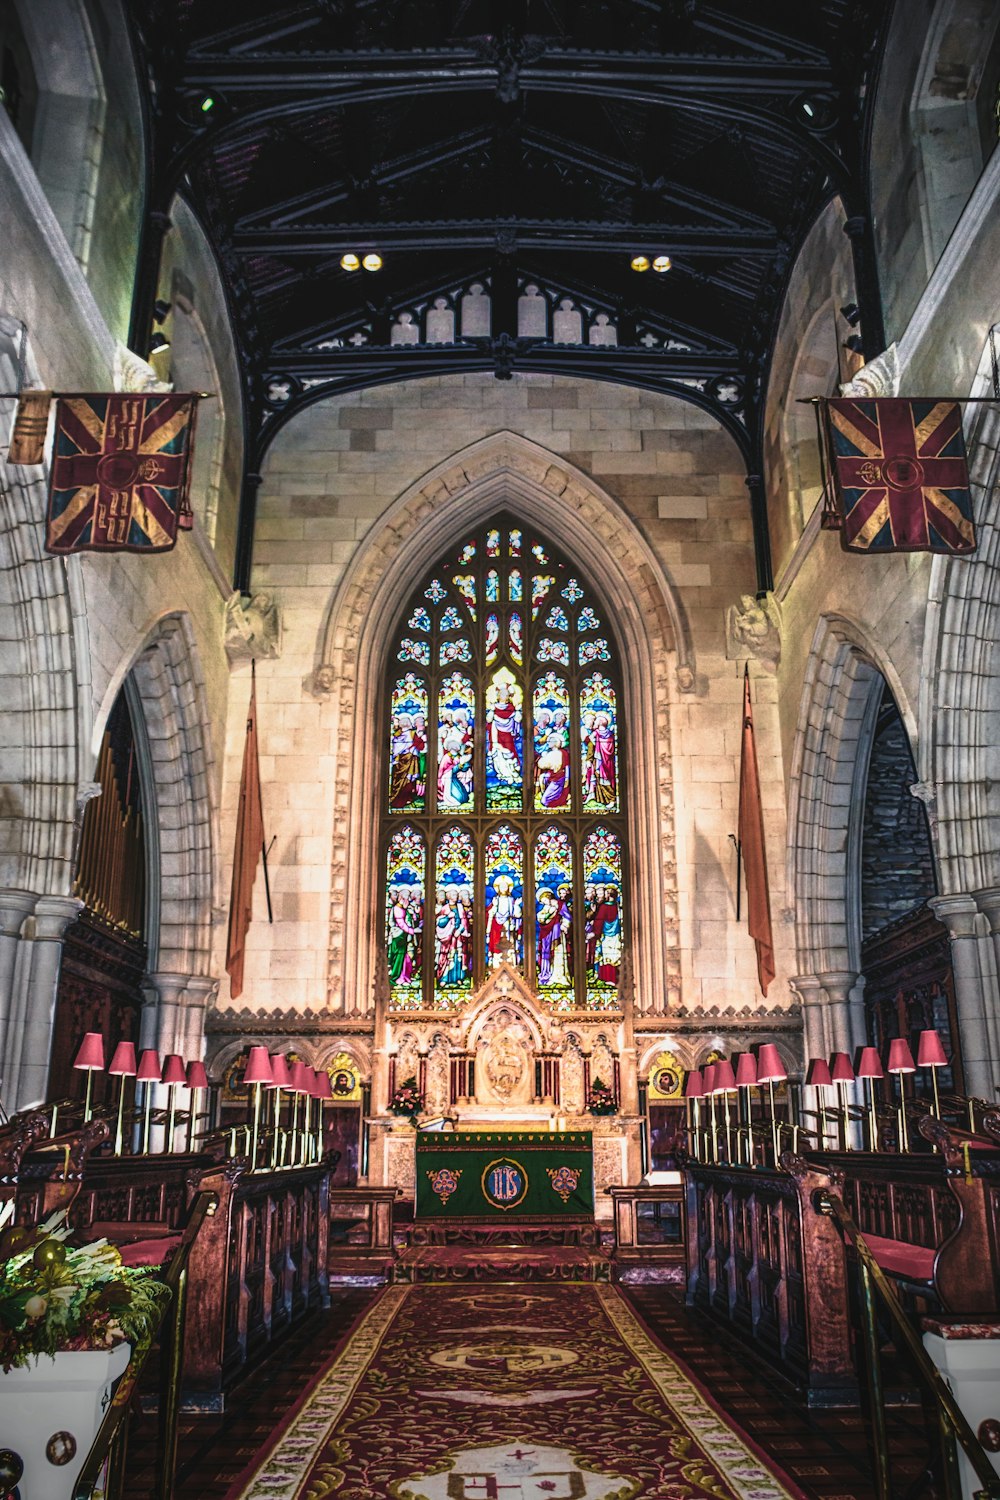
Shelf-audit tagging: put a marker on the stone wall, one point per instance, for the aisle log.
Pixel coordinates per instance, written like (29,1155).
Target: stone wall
(331,482)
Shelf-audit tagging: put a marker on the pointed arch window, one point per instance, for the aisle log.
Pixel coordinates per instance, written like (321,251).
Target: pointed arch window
(503,830)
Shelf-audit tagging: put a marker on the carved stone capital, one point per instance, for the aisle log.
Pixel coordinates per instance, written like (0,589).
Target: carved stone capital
(132,373)
(753,628)
(958,914)
(879,377)
(253,629)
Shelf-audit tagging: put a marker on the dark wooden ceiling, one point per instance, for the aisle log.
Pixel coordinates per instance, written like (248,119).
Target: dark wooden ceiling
(507,143)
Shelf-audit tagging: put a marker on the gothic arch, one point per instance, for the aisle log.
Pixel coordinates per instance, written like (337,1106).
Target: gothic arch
(46,677)
(960,702)
(592,530)
(169,694)
(829,759)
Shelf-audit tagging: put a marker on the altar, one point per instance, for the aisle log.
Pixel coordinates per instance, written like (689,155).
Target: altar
(506,1063)
(503,1176)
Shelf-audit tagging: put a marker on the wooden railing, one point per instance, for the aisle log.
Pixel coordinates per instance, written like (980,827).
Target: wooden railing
(649,1224)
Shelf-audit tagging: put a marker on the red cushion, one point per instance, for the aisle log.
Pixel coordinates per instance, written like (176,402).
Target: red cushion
(149,1252)
(897,1258)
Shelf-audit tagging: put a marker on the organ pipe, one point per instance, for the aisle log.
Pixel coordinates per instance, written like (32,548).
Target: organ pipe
(110,876)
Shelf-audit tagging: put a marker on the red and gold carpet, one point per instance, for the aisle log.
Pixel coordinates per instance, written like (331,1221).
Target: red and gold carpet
(507,1393)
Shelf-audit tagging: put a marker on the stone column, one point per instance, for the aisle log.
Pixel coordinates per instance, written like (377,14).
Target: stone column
(52,915)
(989,904)
(198,996)
(843,1021)
(15,906)
(170,1010)
(815,1042)
(960,914)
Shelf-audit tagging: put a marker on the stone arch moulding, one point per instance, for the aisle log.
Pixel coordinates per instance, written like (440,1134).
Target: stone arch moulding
(174,739)
(960,684)
(45,678)
(830,755)
(594,532)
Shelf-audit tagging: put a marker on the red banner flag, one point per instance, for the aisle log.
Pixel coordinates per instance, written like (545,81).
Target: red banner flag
(247,851)
(901,475)
(120,473)
(751,837)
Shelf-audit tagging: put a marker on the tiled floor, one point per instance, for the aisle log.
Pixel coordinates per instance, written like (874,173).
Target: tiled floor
(827,1453)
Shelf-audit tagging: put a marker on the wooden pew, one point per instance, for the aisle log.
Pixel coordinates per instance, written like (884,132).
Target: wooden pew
(932,1221)
(764,1264)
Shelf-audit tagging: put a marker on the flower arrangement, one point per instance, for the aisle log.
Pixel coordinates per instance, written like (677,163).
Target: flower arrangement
(601,1099)
(407,1100)
(55,1296)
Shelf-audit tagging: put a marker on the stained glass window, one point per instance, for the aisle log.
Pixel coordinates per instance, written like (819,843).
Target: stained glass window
(454,884)
(554,914)
(504,802)
(406,873)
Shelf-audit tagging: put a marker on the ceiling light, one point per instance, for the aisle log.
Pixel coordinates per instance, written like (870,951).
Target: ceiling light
(372,262)
(640,262)
(160,310)
(158,344)
(852,313)
(855,344)
(349,262)
(661,263)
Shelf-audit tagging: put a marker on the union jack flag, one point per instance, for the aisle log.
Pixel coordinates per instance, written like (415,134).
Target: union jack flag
(120,472)
(901,475)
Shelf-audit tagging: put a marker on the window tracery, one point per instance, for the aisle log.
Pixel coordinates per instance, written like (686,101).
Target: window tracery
(502,832)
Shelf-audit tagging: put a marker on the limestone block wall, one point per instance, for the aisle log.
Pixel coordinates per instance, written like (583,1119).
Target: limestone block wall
(330,479)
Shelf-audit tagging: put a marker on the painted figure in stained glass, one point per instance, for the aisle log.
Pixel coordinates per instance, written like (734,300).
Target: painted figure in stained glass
(504,756)
(599,746)
(404,913)
(456,720)
(453,911)
(603,926)
(553,910)
(504,898)
(551,740)
(408,745)
(514,637)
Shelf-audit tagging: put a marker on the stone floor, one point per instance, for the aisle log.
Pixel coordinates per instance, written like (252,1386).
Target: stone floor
(826,1453)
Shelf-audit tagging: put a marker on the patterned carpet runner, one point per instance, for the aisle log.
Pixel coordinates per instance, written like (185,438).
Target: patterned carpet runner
(527,1392)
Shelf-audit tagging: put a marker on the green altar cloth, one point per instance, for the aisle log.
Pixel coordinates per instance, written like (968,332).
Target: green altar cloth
(504,1175)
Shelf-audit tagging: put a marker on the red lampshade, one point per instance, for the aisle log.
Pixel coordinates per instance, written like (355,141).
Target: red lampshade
(870,1065)
(300,1078)
(724,1076)
(708,1077)
(149,1068)
(930,1051)
(280,1077)
(122,1065)
(770,1068)
(900,1056)
(197,1078)
(818,1076)
(841,1069)
(91,1053)
(258,1066)
(694,1087)
(174,1070)
(323,1089)
(746,1070)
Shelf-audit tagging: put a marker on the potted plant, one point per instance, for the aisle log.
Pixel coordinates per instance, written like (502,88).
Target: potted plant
(601,1099)
(69,1317)
(407,1101)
